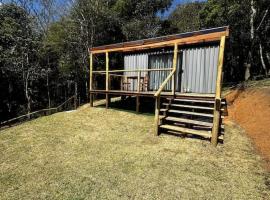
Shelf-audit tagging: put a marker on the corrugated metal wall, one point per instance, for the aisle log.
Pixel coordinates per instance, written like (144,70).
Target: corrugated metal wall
(199,67)
(196,69)
(133,62)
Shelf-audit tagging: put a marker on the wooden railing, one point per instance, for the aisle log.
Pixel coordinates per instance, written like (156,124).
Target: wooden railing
(43,112)
(158,93)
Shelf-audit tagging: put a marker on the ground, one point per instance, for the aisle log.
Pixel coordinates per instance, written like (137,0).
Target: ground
(249,107)
(94,153)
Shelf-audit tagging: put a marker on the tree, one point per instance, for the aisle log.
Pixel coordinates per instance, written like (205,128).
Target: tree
(18,43)
(243,60)
(186,17)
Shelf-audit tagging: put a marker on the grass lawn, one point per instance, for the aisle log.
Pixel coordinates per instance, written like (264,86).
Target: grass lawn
(112,154)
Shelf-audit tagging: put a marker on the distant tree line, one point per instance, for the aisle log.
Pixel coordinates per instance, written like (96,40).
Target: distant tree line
(43,44)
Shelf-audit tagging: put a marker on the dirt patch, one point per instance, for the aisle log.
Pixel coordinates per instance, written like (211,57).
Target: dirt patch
(250,108)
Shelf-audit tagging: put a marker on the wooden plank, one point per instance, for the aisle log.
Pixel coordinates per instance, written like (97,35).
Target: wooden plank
(107,71)
(157,110)
(175,55)
(187,130)
(189,40)
(164,110)
(217,113)
(190,106)
(91,79)
(189,121)
(191,113)
(107,80)
(134,70)
(197,101)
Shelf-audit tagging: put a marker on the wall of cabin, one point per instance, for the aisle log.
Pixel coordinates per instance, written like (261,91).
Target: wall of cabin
(196,69)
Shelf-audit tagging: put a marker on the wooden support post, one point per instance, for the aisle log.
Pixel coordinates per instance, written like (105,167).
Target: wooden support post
(217,112)
(138,90)
(175,54)
(137,103)
(157,110)
(91,80)
(107,80)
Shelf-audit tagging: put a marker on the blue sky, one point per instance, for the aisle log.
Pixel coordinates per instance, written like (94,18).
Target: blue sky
(176,3)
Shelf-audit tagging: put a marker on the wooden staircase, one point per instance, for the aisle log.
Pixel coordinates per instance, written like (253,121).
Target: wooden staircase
(189,116)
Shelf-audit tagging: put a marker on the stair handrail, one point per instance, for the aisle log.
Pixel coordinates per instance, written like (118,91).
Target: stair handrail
(158,93)
(157,96)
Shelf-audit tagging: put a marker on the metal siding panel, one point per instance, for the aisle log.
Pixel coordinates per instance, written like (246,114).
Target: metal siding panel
(199,67)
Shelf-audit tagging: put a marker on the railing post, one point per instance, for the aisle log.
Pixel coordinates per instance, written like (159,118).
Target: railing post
(107,79)
(157,109)
(91,79)
(138,91)
(175,55)
(217,112)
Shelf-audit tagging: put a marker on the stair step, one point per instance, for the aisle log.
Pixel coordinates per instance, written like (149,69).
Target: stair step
(189,121)
(189,106)
(163,110)
(191,113)
(197,101)
(206,134)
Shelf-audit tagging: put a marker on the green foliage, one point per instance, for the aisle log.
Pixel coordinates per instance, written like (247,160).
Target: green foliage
(186,17)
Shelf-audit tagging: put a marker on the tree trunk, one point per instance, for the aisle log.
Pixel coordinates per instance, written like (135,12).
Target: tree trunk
(252,35)
(262,60)
(27,94)
(48,90)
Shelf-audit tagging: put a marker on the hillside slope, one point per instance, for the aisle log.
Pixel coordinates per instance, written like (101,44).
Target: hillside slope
(250,108)
(109,154)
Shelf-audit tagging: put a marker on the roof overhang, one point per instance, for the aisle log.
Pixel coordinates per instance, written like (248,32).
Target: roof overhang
(202,36)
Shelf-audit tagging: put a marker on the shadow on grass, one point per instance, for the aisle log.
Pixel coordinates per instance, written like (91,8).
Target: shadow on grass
(128,104)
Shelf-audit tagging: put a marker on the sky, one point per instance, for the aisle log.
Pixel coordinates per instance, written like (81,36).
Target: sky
(175,4)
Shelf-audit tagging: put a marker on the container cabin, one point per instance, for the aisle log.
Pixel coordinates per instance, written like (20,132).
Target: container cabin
(183,72)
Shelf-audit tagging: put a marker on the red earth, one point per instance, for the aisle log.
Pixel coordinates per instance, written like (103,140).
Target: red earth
(250,108)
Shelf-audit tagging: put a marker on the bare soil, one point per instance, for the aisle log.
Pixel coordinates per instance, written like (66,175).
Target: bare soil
(250,108)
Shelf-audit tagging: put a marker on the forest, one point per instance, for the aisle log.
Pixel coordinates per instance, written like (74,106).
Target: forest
(44,43)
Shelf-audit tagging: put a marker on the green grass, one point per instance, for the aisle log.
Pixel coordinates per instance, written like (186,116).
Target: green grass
(111,154)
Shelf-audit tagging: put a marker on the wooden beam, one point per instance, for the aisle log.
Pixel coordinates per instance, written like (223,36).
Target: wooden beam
(175,54)
(91,79)
(134,70)
(157,110)
(107,79)
(188,40)
(137,103)
(217,111)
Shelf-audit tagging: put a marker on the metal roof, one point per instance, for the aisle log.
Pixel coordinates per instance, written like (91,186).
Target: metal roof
(164,40)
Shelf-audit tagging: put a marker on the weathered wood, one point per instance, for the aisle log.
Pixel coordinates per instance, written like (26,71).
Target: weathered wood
(175,55)
(157,109)
(107,80)
(189,121)
(107,71)
(201,133)
(217,112)
(191,106)
(91,79)
(191,113)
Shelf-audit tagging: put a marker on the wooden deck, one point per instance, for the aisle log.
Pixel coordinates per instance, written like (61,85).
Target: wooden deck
(152,93)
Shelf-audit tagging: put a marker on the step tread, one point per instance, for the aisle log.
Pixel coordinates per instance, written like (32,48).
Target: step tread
(197,100)
(189,121)
(187,130)
(189,106)
(191,113)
